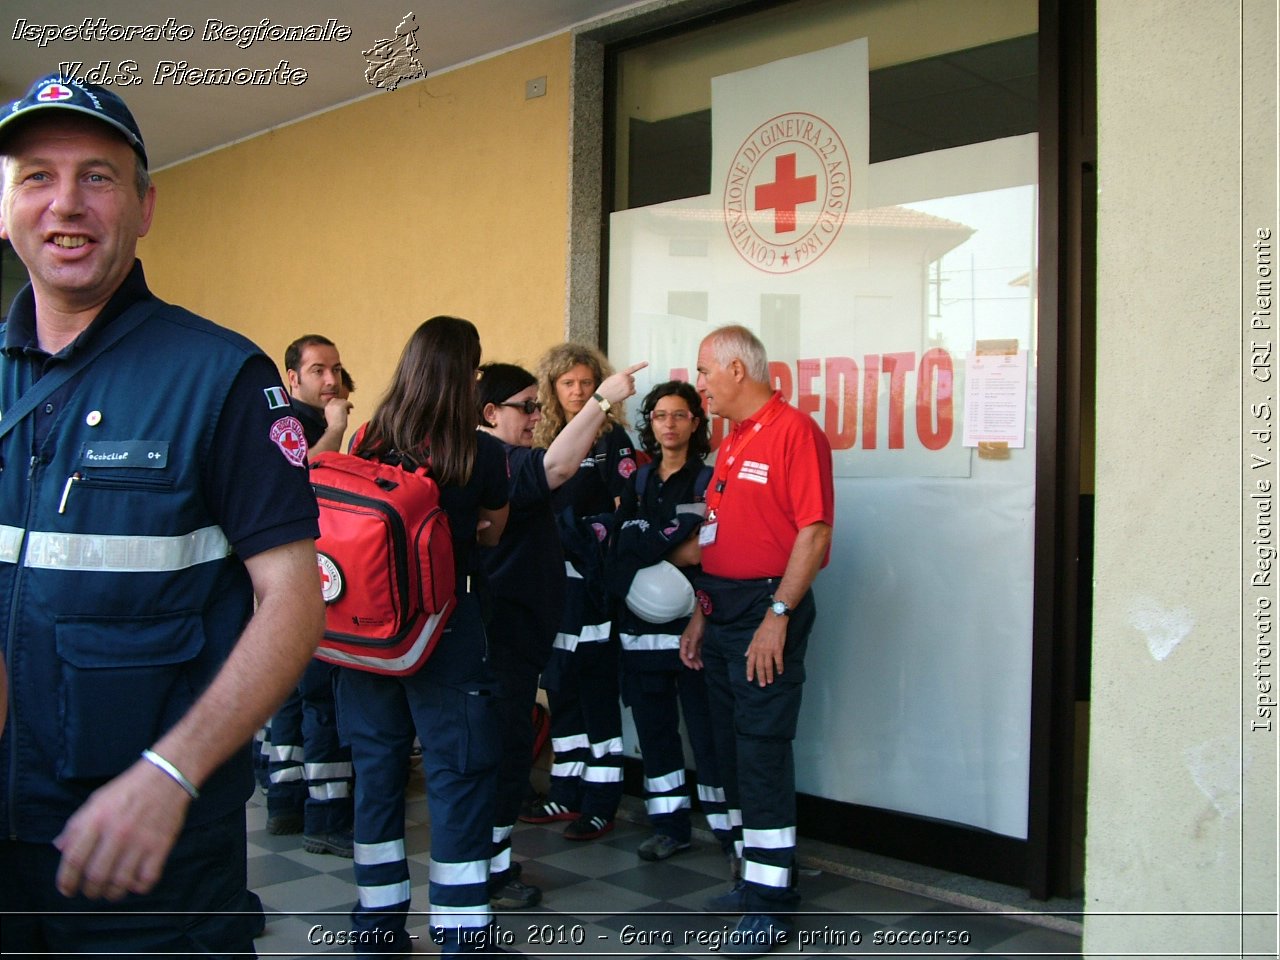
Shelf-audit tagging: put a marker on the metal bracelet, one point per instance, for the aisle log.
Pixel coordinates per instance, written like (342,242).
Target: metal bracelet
(156,760)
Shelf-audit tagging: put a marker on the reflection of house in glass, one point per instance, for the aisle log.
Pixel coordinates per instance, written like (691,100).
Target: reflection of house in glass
(848,336)
(673,276)
(905,248)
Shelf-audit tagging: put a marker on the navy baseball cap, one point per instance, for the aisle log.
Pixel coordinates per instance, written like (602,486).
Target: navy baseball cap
(56,92)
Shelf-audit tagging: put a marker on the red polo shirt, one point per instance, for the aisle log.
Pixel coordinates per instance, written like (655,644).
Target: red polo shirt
(772,478)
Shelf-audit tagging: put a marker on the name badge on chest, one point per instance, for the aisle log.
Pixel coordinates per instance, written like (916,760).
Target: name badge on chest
(707,533)
(148,454)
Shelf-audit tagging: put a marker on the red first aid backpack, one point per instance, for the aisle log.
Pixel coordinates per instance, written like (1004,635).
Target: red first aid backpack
(386,563)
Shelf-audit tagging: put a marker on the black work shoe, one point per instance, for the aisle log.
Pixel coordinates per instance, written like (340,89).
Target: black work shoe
(339,844)
(283,824)
(513,894)
(733,900)
(758,933)
(587,828)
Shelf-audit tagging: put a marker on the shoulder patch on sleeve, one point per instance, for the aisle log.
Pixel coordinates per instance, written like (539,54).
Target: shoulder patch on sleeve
(286,433)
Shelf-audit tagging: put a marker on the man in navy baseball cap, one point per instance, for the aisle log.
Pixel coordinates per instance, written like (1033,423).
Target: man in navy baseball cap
(139,664)
(56,93)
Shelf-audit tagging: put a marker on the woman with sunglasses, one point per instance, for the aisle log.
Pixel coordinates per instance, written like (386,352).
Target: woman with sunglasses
(657,523)
(428,417)
(526,581)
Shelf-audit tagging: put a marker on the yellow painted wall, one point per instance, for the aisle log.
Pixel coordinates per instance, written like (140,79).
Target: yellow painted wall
(446,196)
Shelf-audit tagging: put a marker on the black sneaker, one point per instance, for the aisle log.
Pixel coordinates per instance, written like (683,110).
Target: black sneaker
(339,844)
(513,894)
(283,824)
(547,811)
(587,828)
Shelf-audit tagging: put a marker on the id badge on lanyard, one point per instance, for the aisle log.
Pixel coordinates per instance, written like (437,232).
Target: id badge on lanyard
(707,533)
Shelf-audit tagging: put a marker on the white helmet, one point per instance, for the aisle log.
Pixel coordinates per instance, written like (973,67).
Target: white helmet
(660,593)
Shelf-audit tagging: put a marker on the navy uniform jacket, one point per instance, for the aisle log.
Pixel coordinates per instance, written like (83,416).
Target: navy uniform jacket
(312,419)
(128,502)
(526,567)
(647,527)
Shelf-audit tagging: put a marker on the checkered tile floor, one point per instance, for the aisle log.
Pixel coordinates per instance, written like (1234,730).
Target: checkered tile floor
(601,900)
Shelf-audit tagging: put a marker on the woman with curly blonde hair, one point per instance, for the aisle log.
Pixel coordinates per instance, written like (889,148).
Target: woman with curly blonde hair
(581,678)
(558,372)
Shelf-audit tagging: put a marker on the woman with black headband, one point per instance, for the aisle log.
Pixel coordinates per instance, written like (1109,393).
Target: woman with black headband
(526,582)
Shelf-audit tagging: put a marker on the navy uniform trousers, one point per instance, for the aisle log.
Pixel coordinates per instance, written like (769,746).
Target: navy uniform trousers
(754,728)
(198,908)
(518,650)
(581,681)
(659,689)
(449,704)
(309,769)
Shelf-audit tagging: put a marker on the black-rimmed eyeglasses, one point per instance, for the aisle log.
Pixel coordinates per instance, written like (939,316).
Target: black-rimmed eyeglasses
(527,407)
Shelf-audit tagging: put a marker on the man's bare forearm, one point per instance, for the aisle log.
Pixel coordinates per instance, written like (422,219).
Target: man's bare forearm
(265,665)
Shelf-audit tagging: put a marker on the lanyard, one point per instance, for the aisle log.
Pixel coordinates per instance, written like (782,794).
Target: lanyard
(723,465)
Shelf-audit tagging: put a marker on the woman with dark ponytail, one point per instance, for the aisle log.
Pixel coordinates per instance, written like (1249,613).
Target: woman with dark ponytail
(428,417)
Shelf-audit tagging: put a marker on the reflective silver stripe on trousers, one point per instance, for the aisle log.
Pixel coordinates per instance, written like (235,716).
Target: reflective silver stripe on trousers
(718,821)
(123,554)
(607,748)
(10,542)
(778,838)
(333,790)
(565,744)
(665,783)
(329,771)
(710,794)
(386,895)
(766,875)
(571,769)
(388,851)
(449,917)
(462,873)
(655,806)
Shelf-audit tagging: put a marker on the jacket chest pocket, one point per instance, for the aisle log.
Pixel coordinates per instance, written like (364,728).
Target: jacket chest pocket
(86,490)
(123,683)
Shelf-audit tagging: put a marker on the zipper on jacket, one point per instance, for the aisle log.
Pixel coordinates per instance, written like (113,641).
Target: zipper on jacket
(9,664)
(157,485)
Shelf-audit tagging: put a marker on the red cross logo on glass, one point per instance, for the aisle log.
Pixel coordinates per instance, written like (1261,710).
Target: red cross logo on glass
(785,193)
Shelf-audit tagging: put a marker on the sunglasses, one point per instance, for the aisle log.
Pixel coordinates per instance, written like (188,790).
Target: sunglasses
(527,407)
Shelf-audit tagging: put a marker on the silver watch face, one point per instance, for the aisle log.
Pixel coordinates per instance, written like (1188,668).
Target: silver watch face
(780,608)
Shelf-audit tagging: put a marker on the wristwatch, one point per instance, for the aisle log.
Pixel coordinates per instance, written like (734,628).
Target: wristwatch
(604,404)
(779,608)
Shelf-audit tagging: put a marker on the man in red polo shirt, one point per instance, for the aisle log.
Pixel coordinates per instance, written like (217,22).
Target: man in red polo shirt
(770,508)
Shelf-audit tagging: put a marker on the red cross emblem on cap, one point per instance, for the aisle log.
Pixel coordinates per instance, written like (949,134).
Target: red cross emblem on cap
(54,91)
